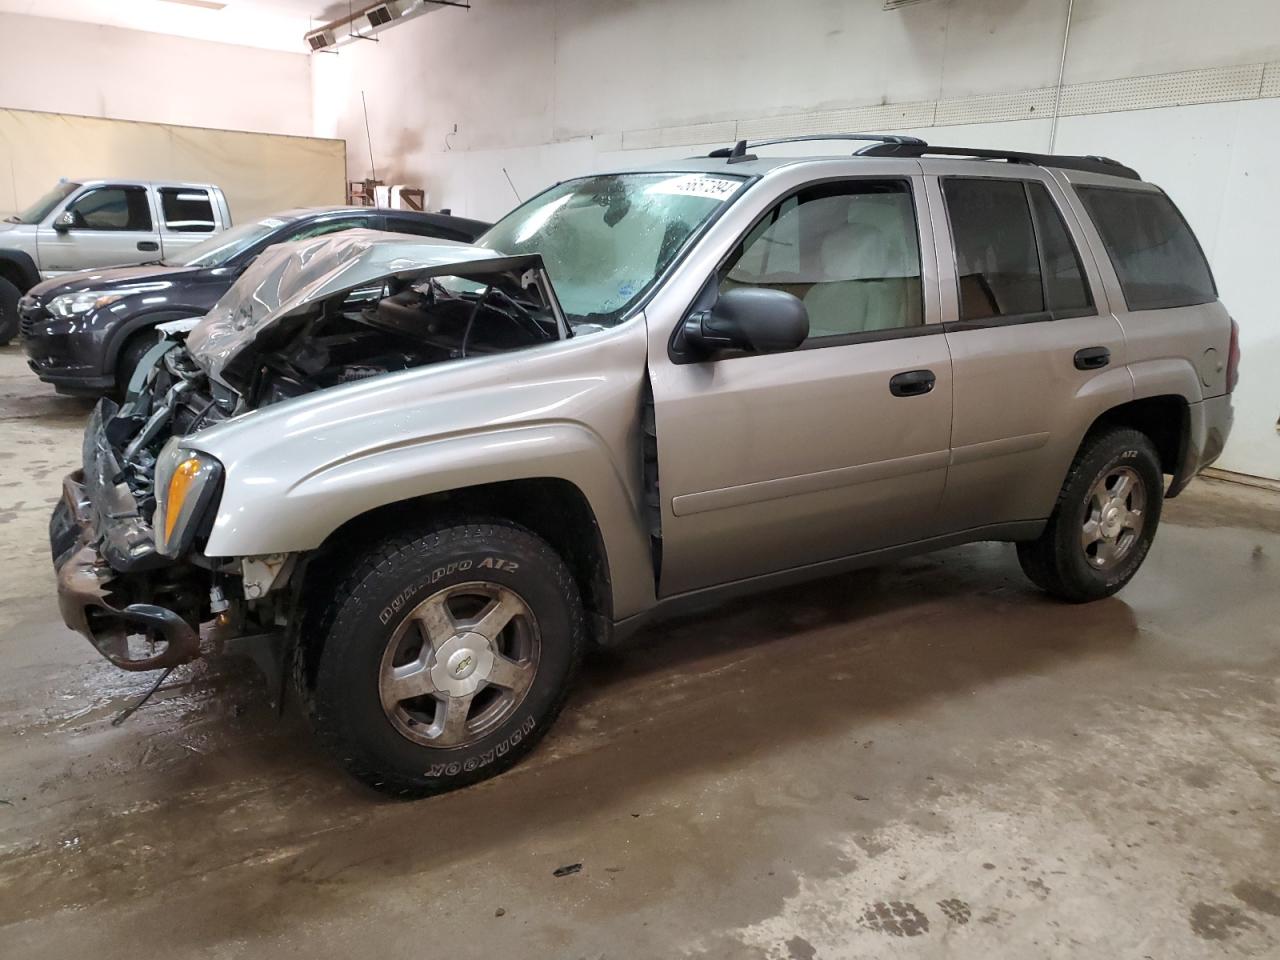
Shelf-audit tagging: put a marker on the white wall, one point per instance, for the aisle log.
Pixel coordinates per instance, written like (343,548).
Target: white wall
(544,89)
(61,66)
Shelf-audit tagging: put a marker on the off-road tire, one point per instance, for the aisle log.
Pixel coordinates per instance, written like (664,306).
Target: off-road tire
(377,595)
(1055,561)
(9,296)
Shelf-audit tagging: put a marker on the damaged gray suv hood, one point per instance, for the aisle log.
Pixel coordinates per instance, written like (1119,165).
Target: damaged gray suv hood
(288,276)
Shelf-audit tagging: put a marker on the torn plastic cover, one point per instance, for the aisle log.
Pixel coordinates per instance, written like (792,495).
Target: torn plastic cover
(290,275)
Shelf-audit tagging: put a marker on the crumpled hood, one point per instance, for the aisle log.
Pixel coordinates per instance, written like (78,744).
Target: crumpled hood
(290,275)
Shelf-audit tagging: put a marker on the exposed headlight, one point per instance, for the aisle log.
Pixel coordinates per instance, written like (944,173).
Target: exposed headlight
(186,485)
(74,304)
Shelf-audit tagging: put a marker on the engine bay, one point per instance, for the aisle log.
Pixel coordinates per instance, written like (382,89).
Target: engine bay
(399,328)
(399,324)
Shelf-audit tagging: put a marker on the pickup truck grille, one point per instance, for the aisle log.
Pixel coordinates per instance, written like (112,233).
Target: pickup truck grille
(30,312)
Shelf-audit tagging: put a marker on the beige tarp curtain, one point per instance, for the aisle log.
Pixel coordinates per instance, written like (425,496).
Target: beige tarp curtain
(260,173)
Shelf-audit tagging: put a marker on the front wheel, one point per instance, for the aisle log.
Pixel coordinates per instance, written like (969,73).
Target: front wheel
(1104,521)
(131,354)
(9,297)
(446,656)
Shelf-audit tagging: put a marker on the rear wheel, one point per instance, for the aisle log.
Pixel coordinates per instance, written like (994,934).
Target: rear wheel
(9,295)
(1104,521)
(446,656)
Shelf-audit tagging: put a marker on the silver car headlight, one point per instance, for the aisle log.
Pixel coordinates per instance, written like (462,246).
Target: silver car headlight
(74,304)
(186,485)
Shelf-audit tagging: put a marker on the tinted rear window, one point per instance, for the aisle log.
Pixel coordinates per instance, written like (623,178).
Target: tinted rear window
(1155,254)
(1014,257)
(187,210)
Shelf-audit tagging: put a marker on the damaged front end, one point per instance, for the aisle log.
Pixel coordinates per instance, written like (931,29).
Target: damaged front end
(114,587)
(129,532)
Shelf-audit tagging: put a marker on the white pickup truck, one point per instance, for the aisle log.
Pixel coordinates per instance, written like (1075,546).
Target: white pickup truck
(82,224)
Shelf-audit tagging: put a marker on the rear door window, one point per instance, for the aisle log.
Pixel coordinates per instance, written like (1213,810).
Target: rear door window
(1014,255)
(1156,256)
(1066,291)
(187,210)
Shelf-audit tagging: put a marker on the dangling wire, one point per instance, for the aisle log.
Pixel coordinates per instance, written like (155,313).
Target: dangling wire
(129,711)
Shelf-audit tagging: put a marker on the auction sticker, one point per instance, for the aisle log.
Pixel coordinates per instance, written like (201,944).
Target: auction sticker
(699,185)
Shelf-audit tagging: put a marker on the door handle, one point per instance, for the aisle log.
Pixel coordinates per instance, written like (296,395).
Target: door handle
(913,383)
(148,245)
(1092,358)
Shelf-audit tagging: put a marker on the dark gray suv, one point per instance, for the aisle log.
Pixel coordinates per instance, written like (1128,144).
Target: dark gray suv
(85,332)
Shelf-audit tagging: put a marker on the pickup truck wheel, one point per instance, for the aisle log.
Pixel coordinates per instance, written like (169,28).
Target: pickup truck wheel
(1104,521)
(9,296)
(446,656)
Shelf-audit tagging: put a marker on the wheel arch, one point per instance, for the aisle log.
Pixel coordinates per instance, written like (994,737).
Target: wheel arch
(553,508)
(1166,419)
(19,269)
(132,327)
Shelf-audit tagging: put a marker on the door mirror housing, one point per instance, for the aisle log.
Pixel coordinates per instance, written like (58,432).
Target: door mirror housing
(751,319)
(64,221)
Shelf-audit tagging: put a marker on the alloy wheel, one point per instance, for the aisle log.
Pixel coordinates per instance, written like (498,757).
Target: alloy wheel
(461,662)
(1113,519)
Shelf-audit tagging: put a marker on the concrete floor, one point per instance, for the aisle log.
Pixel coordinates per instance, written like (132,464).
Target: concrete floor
(928,759)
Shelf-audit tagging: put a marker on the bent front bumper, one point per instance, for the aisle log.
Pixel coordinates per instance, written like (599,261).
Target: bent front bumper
(95,543)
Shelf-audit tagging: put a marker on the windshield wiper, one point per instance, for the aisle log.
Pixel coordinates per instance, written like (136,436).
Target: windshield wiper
(12,219)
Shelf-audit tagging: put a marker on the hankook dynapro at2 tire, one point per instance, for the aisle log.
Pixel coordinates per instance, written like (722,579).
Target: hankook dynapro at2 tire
(446,655)
(1104,520)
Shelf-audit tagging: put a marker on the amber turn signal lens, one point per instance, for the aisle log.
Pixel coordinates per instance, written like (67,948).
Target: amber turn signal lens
(179,486)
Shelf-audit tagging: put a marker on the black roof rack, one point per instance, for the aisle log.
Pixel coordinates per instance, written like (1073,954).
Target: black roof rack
(892,145)
(1104,165)
(738,152)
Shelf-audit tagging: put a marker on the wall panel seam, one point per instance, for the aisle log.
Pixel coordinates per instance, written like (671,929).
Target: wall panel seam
(1182,88)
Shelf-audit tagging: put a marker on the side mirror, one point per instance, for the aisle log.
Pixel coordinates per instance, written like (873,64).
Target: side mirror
(64,221)
(754,319)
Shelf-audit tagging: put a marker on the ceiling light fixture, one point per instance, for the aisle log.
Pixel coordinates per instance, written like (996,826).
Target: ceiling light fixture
(363,23)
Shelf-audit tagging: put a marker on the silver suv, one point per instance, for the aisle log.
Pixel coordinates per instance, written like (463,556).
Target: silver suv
(82,224)
(428,477)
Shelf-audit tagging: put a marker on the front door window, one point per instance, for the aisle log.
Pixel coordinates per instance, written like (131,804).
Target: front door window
(849,250)
(111,209)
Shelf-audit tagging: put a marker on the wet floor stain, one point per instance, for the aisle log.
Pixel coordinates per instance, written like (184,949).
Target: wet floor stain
(1220,921)
(955,910)
(798,948)
(898,918)
(1261,898)
(1038,888)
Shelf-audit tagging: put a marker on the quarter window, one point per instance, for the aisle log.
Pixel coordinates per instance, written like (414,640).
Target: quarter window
(112,208)
(849,250)
(1155,254)
(1014,256)
(186,210)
